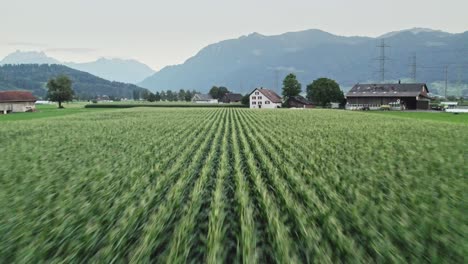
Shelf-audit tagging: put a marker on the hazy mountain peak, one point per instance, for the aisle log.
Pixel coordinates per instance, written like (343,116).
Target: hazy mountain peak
(28,57)
(415,31)
(114,69)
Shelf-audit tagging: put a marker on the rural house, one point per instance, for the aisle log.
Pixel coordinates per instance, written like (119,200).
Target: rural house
(264,98)
(204,99)
(17,101)
(231,98)
(299,102)
(399,96)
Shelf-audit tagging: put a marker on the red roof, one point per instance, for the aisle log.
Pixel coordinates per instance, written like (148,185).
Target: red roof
(16,96)
(274,97)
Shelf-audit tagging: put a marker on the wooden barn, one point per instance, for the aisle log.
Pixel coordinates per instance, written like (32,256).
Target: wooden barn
(299,102)
(410,96)
(17,101)
(231,98)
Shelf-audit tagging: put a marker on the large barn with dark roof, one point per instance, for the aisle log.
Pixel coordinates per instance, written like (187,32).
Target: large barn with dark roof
(410,96)
(16,101)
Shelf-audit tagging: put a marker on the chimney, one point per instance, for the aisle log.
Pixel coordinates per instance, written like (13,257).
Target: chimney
(399,81)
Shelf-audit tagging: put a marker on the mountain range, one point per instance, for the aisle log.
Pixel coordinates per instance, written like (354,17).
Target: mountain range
(34,77)
(120,70)
(257,60)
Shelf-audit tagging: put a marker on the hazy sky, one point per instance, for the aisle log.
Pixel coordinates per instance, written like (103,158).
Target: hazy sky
(161,33)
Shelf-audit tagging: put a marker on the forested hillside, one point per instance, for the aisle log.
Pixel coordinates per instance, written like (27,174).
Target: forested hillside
(33,77)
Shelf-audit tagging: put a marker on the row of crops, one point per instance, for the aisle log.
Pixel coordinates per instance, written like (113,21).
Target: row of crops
(232,185)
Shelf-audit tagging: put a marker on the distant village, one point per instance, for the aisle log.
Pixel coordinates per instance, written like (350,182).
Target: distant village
(323,93)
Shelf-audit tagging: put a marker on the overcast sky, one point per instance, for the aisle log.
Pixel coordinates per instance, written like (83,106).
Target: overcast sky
(161,33)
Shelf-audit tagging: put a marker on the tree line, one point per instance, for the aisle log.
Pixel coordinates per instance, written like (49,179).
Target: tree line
(169,95)
(322,91)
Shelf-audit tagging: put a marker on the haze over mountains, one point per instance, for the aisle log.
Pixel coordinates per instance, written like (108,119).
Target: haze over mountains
(257,60)
(120,70)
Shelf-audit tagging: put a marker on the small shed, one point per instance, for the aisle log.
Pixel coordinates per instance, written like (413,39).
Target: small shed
(299,102)
(16,102)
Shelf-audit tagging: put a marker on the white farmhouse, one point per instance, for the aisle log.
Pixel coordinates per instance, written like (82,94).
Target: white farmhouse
(17,101)
(264,98)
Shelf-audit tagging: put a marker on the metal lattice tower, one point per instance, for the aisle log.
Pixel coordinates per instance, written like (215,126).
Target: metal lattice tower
(382,59)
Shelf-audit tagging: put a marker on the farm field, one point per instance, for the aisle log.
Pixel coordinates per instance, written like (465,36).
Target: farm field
(172,185)
(435,116)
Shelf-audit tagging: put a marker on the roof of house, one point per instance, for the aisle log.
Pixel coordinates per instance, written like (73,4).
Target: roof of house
(389,90)
(232,97)
(274,97)
(17,96)
(300,99)
(202,97)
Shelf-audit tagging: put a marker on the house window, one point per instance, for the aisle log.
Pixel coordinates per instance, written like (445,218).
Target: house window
(254,103)
(260,102)
(267,102)
(253,97)
(259,97)
(257,93)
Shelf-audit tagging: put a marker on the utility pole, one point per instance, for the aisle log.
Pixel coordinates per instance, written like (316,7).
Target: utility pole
(276,80)
(382,59)
(446,80)
(413,67)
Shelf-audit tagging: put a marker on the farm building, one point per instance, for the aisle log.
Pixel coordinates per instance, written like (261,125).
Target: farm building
(411,96)
(17,101)
(299,102)
(204,99)
(231,98)
(264,98)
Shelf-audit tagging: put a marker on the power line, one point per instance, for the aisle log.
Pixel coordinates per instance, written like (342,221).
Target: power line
(276,80)
(446,80)
(382,59)
(413,67)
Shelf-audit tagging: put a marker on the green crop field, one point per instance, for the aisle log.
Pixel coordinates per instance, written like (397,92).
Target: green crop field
(435,116)
(176,185)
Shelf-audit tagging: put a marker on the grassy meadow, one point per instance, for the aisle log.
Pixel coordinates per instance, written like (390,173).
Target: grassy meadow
(169,185)
(48,111)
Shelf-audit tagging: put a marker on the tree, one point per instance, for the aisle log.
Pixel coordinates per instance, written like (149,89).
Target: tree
(218,92)
(246,99)
(60,90)
(158,96)
(214,92)
(181,95)
(291,87)
(188,96)
(324,91)
(222,91)
(151,97)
